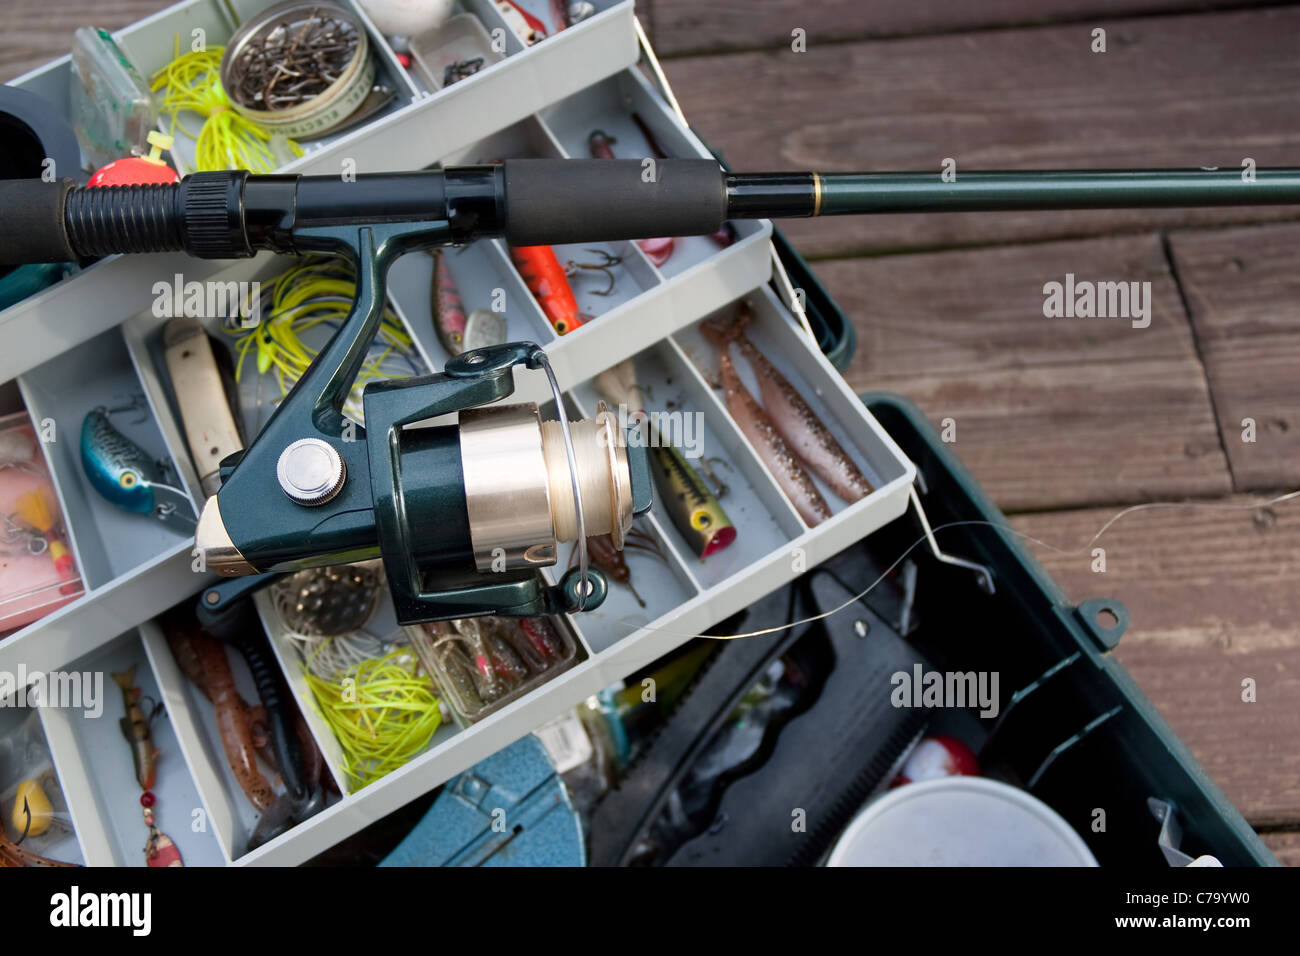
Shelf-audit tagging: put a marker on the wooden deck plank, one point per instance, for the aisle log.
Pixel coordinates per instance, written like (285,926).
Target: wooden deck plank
(1171,91)
(956,312)
(33,32)
(1212,600)
(1285,845)
(1072,435)
(688,26)
(1049,413)
(1243,291)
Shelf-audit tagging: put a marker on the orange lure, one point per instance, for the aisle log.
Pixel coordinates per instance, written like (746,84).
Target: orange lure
(546,280)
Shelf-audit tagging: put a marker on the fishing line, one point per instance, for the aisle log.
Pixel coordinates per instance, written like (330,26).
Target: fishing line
(1151,505)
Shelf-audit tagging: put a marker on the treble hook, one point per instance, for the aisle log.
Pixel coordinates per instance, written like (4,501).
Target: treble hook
(136,404)
(157,708)
(571,267)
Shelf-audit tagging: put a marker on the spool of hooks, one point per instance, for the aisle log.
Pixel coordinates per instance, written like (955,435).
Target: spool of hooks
(300,68)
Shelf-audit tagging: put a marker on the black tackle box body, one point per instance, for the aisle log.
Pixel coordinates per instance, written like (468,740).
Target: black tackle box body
(1074,727)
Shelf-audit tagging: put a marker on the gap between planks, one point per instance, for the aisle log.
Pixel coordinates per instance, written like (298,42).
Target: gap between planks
(1175,91)
(688,28)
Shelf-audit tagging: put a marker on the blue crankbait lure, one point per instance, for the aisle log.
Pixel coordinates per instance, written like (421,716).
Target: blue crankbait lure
(124,474)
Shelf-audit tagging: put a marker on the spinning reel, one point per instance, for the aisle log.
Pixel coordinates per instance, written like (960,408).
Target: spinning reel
(465,515)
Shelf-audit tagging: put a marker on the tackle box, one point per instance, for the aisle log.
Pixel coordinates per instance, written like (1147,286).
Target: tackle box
(94,339)
(1073,728)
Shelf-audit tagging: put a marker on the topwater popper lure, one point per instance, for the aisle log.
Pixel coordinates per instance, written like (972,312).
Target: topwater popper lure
(545,278)
(124,474)
(548,281)
(691,505)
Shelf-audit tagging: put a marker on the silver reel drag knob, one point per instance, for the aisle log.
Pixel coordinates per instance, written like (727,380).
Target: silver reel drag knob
(311,471)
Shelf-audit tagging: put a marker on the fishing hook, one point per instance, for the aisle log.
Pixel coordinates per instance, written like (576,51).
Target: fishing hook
(153,712)
(26,828)
(136,404)
(571,269)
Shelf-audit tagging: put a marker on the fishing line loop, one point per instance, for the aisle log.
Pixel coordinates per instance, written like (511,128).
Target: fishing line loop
(584,584)
(812,619)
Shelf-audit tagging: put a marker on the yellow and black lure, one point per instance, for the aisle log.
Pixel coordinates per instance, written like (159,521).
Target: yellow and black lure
(691,505)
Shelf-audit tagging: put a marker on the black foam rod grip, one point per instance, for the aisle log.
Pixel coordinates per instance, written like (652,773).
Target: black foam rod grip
(550,201)
(34,229)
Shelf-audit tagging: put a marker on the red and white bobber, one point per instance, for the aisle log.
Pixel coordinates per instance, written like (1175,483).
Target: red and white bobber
(936,757)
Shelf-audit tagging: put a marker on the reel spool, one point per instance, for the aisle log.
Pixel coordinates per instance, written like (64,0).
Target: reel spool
(463,515)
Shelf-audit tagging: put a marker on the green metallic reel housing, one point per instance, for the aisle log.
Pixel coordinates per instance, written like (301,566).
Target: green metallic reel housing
(401,490)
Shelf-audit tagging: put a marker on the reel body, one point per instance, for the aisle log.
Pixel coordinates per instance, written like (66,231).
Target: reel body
(463,514)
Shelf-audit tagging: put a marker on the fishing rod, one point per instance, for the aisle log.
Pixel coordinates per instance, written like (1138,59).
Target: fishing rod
(555,201)
(464,515)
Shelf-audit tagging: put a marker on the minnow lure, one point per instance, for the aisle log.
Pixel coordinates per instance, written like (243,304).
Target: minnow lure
(135,728)
(159,850)
(780,460)
(542,636)
(448,309)
(527,27)
(799,425)
(523,648)
(658,251)
(692,507)
(457,669)
(124,474)
(546,280)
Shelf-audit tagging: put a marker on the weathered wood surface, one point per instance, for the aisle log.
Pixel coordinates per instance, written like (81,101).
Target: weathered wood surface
(1243,291)
(1212,598)
(1285,845)
(1052,415)
(1178,91)
(689,26)
(1048,412)
(37,31)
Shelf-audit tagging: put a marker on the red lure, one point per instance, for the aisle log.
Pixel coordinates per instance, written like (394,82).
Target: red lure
(546,280)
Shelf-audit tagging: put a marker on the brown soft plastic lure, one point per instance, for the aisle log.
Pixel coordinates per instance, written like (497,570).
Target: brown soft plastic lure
(759,428)
(233,720)
(805,433)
